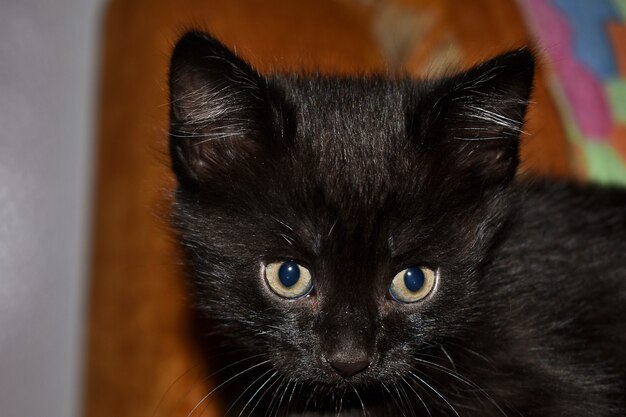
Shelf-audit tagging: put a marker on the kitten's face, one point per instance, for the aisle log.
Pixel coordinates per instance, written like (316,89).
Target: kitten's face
(304,201)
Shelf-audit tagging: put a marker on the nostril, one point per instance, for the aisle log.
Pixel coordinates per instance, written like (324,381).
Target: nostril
(347,369)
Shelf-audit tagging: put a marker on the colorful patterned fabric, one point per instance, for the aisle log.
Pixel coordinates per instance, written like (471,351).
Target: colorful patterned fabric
(585,44)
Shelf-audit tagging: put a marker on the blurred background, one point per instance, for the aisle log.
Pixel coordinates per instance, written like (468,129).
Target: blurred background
(93,316)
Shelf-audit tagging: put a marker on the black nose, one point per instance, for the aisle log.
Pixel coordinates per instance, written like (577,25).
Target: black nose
(347,369)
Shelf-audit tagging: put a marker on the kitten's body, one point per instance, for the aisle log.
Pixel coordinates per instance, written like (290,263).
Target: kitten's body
(360,178)
(556,296)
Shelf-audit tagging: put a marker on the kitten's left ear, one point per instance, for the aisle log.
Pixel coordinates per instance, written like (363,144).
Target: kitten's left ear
(476,117)
(219,110)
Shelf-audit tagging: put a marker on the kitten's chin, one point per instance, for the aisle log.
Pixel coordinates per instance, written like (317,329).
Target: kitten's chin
(327,398)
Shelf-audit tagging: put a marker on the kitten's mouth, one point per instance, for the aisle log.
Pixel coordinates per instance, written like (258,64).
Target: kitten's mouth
(329,399)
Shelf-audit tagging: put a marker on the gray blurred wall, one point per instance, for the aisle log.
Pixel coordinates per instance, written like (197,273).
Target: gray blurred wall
(48,70)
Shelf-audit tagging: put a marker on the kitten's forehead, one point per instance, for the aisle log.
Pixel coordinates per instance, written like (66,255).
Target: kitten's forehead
(349,111)
(350,130)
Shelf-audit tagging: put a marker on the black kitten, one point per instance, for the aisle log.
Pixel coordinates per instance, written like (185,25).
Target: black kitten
(365,243)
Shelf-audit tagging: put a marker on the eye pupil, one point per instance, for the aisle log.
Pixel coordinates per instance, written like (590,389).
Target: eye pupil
(289,274)
(414,279)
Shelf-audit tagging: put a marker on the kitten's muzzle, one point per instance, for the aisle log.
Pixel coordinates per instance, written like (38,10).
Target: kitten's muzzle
(348,369)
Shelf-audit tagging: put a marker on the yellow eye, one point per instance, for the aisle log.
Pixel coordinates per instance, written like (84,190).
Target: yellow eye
(288,279)
(412,284)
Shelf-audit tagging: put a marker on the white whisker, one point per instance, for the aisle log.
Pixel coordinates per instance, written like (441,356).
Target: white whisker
(419,397)
(440,395)
(223,383)
(263,394)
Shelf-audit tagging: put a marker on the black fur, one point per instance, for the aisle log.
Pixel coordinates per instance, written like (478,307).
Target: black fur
(358,178)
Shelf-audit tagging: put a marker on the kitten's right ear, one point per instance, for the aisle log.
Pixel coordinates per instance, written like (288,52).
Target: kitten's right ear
(218,107)
(475,118)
